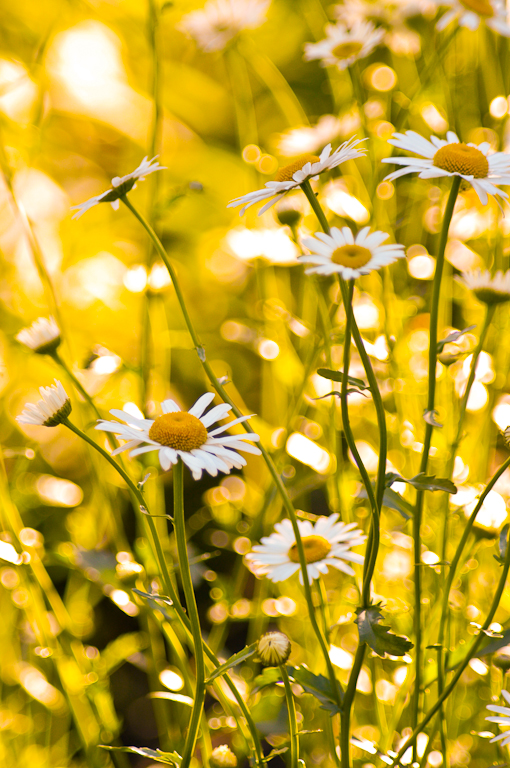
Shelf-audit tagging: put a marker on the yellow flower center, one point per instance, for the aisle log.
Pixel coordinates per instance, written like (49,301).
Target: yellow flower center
(286,172)
(181,431)
(351,256)
(316,548)
(346,50)
(459,158)
(481,7)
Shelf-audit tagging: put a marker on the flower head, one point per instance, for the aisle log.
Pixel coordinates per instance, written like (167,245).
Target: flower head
(470,13)
(502,719)
(327,543)
(223,757)
(42,337)
(342,253)
(452,158)
(221,20)
(487,288)
(342,46)
(54,407)
(273,649)
(121,185)
(183,435)
(300,170)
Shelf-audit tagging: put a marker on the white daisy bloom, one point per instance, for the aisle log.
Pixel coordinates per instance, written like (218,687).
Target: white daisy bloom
(54,407)
(342,46)
(221,20)
(487,288)
(392,13)
(349,256)
(43,336)
(502,719)
(121,185)
(300,170)
(183,435)
(452,158)
(327,543)
(469,13)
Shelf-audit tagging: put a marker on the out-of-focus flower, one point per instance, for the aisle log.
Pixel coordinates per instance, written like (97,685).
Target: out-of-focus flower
(54,407)
(309,138)
(223,757)
(471,12)
(502,719)
(327,543)
(303,168)
(391,13)
(348,255)
(274,649)
(487,288)
(42,337)
(342,47)
(221,20)
(121,185)
(183,435)
(452,158)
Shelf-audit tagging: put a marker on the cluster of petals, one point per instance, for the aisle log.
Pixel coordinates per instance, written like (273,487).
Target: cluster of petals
(51,410)
(219,21)
(502,718)
(470,13)
(43,334)
(342,46)
(491,289)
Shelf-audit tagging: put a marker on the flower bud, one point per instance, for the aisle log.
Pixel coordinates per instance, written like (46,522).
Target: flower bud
(273,649)
(501,658)
(223,757)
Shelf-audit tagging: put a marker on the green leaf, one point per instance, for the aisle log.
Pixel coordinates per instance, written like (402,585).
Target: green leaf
(269,676)
(180,698)
(168,758)
(350,391)
(423,482)
(430,418)
(338,376)
(120,649)
(503,544)
(274,753)
(233,661)
(453,336)
(320,687)
(154,601)
(394,500)
(380,639)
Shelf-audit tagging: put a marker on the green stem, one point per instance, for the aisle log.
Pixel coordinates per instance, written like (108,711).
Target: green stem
(291,707)
(434,312)
(350,692)
(83,392)
(191,604)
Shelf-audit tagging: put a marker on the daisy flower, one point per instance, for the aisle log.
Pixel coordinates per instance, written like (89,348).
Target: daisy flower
(223,757)
(470,12)
(502,719)
(342,47)
(349,256)
(121,185)
(54,407)
(183,435)
(300,170)
(327,543)
(452,158)
(487,289)
(221,20)
(42,337)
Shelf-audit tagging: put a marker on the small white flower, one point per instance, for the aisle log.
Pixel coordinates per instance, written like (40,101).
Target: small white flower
(54,407)
(469,13)
(221,20)
(121,185)
(43,336)
(503,719)
(327,543)
(349,256)
(391,13)
(183,435)
(223,757)
(452,158)
(342,46)
(487,288)
(292,175)
(273,649)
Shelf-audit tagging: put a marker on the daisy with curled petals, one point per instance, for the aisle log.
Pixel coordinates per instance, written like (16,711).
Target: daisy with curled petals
(52,410)
(300,170)
(452,158)
(42,337)
(342,47)
(470,12)
(349,256)
(183,435)
(121,185)
(327,543)
(503,718)
(487,289)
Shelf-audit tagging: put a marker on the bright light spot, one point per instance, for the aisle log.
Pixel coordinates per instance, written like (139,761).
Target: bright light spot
(135,279)
(36,685)
(133,410)
(501,413)
(159,278)
(364,684)
(385,190)
(8,553)
(421,744)
(307,452)
(17,91)
(397,565)
(267,164)
(498,107)
(422,267)
(462,257)
(385,691)
(105,364)
(342,203)
(271,244)
(242,545)
(484,370)
(435,758)
(492,513)
(40,196)
(368,456)
(96,278)
(465,495)
(29,537)
(340,658)
(285,606)
(400,675)
(429,558)
(478,666)
(251,153)
(434,118)
(478,397)
(58,492)
(383,78)
(171,680)
(267,349)
(366,313)
(119,597)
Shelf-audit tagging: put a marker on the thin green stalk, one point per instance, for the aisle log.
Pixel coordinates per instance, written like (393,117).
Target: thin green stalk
(431,397)
(191,604)
(350,692)
(83,392)
(291,708)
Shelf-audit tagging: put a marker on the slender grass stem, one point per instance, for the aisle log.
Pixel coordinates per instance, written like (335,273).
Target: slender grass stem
(293,727)
(81,389)
(350,692)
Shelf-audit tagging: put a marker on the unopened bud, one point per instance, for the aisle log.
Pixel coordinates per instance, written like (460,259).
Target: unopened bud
(274,649)
(223,757)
